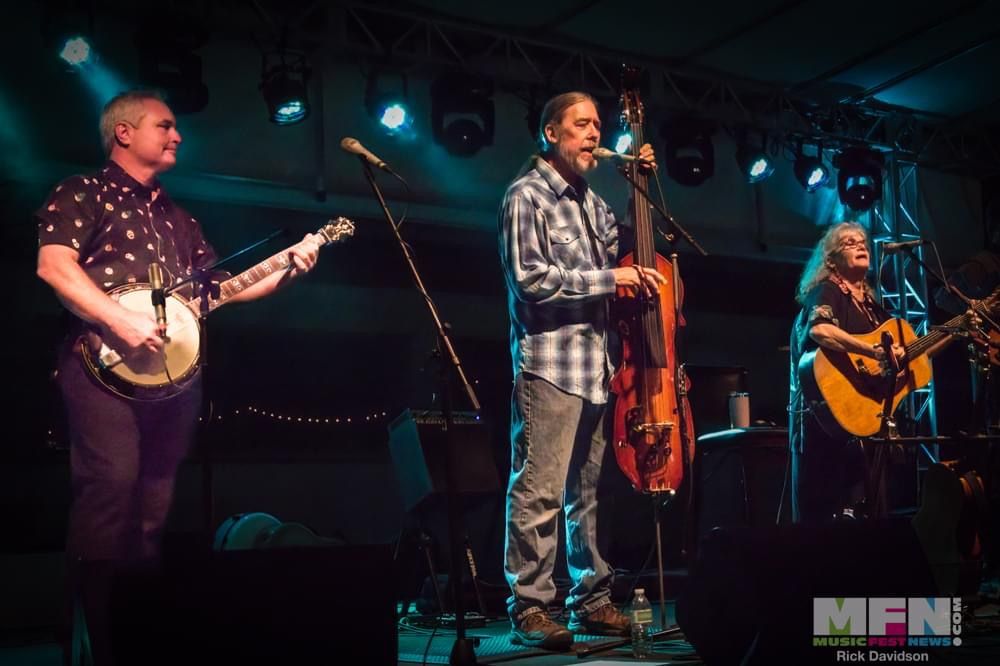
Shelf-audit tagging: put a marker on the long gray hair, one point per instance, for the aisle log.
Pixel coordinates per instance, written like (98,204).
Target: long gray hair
(820,265)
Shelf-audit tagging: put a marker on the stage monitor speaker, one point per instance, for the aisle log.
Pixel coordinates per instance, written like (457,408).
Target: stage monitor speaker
(709,394)
(417,443)
(740,478)
(307,605)
(749,597)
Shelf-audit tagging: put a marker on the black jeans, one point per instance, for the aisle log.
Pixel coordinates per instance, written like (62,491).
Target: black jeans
(124,457)
(823,473)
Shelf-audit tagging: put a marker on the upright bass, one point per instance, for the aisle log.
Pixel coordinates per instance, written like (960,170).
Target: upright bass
(653,433)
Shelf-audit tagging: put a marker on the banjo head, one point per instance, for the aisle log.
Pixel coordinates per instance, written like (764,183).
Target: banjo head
(160,375)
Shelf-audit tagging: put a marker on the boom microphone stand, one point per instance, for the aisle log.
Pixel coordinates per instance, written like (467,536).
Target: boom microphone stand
(462,653)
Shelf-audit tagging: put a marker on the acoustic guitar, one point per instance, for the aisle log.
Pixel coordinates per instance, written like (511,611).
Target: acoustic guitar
(847,392)
(159,376)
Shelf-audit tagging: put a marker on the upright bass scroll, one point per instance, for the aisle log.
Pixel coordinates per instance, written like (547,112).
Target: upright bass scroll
(653,432)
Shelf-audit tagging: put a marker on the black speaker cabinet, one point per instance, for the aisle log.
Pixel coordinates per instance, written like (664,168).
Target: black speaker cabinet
(749,597)
(417,443)
(305,605)
(740,477)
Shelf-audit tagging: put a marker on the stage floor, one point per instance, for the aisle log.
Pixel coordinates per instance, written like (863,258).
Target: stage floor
(494,646)
(419,645)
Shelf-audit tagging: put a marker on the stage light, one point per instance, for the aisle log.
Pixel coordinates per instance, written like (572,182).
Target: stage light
(76,51)
(394,117)
(811,173)
(755,165)
(386,102)
(752,158)
(463,117)
(688,153)
(624,143)
(68,29)
(859,177)
(284,79)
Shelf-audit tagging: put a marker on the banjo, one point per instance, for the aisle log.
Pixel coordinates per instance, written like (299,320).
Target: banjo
(147,376)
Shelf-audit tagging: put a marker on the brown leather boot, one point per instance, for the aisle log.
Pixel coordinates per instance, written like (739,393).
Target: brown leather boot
(540,630)
(605,621)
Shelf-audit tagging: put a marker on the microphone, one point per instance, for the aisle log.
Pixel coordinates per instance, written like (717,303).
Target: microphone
(603,153)
(352,145)
(893,248)
(159,300)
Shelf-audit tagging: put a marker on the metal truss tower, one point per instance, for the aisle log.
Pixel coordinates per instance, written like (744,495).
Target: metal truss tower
(902,283)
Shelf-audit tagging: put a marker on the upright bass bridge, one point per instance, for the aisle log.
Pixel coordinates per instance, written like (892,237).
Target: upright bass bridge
(651,441)
(653,428)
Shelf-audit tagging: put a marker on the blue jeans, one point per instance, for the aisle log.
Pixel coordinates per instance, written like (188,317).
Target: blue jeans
(557,445)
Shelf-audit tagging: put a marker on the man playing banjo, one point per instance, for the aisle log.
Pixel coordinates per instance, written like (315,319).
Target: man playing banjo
(97,232)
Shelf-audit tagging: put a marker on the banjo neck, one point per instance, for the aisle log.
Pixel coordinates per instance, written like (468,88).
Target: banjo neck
(276,263)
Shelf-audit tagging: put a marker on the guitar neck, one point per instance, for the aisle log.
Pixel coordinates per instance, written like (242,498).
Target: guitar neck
(923,344)
(277,263)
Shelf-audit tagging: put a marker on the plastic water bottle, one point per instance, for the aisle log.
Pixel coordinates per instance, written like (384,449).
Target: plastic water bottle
(641,615)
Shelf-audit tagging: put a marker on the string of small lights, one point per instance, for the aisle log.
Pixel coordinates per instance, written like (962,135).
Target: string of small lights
(270,414)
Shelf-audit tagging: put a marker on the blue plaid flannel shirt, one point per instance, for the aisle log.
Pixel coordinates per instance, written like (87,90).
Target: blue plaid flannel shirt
(557,248)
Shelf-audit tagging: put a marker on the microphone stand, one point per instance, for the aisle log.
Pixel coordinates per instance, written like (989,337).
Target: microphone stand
(204,289)
(664,214)
(462,652)
(952,289)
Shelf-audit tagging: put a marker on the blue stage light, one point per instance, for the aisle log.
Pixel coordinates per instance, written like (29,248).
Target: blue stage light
(859,179)
(624,143)
(755,165)
(811,173)
(284,85)
(395,117)
(289,112)
(76,51)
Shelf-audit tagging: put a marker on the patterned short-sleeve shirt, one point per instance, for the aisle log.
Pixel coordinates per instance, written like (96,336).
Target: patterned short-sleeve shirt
(119,226)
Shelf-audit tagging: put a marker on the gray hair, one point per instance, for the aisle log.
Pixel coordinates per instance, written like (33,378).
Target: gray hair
(554,110)
(819,266)
(124,107)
